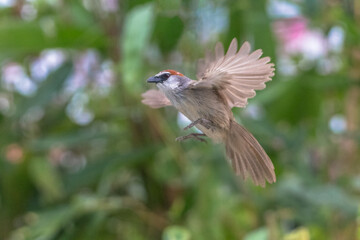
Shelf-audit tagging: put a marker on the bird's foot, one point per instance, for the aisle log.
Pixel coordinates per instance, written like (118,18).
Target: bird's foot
(197,136)
(206,123)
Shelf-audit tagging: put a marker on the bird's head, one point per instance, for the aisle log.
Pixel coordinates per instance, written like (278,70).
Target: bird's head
(169,79)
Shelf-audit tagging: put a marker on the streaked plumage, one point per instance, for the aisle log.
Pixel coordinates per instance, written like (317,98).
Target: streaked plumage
(224,81)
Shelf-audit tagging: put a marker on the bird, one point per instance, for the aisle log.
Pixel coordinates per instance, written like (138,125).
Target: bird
(224,81)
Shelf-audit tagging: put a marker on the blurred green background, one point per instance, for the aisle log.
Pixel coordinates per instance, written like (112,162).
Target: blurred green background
(82,158)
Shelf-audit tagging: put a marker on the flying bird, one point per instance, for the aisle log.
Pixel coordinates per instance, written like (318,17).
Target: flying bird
(224,81)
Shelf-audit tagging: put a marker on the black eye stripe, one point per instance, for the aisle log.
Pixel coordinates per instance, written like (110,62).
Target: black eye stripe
(164,76)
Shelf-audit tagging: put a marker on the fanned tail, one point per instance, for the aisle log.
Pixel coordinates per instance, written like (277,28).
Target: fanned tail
(247,156)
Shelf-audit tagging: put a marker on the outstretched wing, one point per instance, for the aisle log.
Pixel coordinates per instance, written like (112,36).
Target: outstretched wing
(155,99)
(237,73)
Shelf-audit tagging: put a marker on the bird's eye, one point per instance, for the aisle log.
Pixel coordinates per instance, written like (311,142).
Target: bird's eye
(165,76)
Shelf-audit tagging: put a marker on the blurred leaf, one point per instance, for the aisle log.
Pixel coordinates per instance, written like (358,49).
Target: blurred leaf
(168,6)
(13,200)
(176,233)
(19,38)
(167,32)
(111,162)
(312,8)
(46,179)
(358,223)
(258,25)
(135,3)
(138,26)
(68,139)
(298,234)
(275,90)
(302,103)
(45,225)
(166,168)
(47,90)
(48,224)
(81,16)
(237,26)
(259,234)
(309,199)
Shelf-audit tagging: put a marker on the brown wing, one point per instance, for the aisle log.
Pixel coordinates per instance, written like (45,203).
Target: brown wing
(155,99)
(237,73)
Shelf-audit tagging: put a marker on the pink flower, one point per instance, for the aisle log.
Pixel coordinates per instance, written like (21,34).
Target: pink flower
(297,39)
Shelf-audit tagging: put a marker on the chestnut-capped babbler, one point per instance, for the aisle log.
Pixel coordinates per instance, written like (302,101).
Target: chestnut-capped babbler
(224,81)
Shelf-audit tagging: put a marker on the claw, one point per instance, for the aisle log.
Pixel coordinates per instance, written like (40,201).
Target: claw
(206,123)
(197,136)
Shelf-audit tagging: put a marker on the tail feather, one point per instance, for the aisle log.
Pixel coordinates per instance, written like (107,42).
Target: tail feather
(247,156)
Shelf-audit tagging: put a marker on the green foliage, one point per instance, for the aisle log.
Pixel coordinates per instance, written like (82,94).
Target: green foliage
(176,233)
(18,38)
(259,234)
(167,32)
(46,179)
(46,91)
(91,162)
(134,44)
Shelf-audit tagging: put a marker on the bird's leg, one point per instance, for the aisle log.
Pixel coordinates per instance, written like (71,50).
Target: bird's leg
(197,136)
(206,123)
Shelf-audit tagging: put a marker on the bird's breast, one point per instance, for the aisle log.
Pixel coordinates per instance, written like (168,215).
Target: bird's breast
(195,105)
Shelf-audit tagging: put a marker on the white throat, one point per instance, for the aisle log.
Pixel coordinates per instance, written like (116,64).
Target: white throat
(171,83)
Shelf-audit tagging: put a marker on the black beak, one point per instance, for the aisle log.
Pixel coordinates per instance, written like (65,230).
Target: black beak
(154,79)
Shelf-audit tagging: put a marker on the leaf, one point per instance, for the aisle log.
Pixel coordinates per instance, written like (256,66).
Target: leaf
(167,32)
(134,3)
(14,199)
(80,15)
(176,233)
(112,162)
(47,224)
(257,23)
(69,139)
(310,199)
(298,234)
(46,179)
(358,223)
(168,6)
(258,234)
(19,38)
(47,90)
(138,26)
(237,22)
(302,102)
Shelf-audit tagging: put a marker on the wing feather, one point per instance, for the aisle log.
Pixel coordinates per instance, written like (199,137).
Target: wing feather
(155,99)
(219,51)
(239,73)
(232,49)
(244,49)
